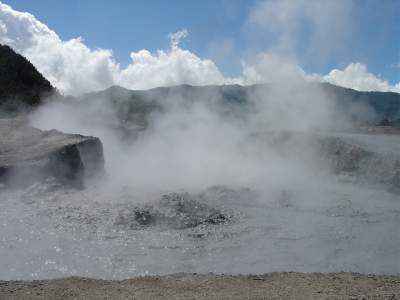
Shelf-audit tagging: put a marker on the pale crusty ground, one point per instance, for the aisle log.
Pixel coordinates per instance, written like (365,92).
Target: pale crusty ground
(183,286)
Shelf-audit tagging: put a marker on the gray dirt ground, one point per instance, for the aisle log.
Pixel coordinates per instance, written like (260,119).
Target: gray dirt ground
(270,286)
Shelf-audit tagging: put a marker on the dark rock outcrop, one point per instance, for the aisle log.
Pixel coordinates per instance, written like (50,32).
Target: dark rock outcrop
(28,154)
(187,211)
(174,210)
(21,85)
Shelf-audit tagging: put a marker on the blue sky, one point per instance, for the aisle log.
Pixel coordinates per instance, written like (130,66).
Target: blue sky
(126,26)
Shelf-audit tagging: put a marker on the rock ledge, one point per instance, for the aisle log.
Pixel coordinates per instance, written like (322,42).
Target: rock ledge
(28,154)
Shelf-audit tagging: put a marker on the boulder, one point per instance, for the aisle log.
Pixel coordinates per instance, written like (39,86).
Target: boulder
(28,154)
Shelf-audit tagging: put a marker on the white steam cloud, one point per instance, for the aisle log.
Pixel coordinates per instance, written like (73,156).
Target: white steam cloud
(75,69)
(273,68)
(191,139)
(286,22)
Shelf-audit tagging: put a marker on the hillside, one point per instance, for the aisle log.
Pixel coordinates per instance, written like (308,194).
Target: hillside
(133,107)
(384,105)
(21,85)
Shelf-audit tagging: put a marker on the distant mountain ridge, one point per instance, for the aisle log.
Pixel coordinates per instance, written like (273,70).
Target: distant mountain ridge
(21,85)
(386,105)
(369,108)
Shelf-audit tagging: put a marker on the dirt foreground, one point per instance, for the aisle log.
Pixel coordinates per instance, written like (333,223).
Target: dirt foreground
(184,286)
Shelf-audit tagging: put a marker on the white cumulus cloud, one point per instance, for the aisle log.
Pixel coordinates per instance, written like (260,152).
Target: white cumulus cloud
(74,68)
(356,76)
(71,66)
(172,67)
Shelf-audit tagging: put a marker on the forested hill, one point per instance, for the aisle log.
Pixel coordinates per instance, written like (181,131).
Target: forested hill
(21,85)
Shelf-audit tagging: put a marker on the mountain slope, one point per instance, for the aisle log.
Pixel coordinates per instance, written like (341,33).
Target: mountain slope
(21,85)
(384,105)
(134,106)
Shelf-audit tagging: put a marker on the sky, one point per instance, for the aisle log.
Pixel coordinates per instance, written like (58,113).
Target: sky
(99,43)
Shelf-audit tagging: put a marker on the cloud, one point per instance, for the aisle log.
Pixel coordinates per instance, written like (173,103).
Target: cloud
(71,66)
(172,67)
(74,68)
(290,25)
(356,76)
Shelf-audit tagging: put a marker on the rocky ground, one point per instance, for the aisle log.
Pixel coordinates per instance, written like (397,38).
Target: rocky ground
(269,286)
(48,230)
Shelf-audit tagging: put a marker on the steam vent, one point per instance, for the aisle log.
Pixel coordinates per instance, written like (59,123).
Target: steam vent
(259,159)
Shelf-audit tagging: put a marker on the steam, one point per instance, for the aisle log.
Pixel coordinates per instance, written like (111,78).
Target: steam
(273,68)
(177,37)
(197,141)
(193,142)
(288,22)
